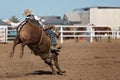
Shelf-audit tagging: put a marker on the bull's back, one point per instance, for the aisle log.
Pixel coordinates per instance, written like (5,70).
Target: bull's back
(30,34)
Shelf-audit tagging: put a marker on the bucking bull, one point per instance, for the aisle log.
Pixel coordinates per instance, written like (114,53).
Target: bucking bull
(36,39)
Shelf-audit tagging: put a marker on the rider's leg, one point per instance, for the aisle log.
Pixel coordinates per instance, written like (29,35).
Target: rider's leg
(52,37)
(53,40)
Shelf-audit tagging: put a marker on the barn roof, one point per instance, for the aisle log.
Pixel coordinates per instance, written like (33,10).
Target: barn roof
(100,7)
(73,17)
(52,20)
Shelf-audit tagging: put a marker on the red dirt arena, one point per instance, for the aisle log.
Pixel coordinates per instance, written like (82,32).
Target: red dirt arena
(81,61)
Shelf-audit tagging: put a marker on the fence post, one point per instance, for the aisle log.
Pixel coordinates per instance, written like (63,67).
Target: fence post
(61,34)
(91,34)
(6,34)
(118,33)
(113,33)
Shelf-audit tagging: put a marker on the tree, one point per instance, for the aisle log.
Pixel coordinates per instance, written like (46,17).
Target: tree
(14,19)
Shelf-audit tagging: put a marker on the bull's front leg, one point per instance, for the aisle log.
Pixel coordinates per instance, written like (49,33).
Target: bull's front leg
(22,49)
(12,51)
(16,41)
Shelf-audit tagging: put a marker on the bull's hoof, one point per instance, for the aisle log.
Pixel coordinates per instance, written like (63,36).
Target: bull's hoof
(54,73)
(61,72)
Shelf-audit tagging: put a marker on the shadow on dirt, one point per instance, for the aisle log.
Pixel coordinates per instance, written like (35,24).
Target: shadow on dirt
(39,72)
(14,75)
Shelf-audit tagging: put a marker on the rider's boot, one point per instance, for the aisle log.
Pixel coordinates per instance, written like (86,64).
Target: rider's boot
(56,47)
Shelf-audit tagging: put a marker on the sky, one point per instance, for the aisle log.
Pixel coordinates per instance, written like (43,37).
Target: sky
(9,8)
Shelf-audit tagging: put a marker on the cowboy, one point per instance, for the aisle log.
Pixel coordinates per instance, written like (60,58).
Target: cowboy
(49,32)
(29,15)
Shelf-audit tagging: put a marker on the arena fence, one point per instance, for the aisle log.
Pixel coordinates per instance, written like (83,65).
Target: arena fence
(3,34)
(88,33)
(9,35)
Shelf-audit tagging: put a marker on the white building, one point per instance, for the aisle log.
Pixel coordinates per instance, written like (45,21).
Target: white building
(105,16)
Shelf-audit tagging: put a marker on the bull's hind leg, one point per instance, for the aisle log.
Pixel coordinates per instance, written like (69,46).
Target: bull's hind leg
(16,41)
(49,62)
(55,58)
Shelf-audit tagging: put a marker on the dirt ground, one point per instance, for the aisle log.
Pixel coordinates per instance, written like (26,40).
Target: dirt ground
(81,61)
